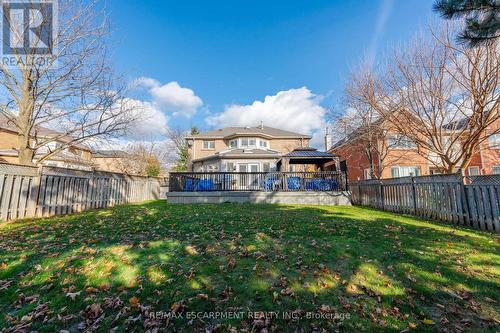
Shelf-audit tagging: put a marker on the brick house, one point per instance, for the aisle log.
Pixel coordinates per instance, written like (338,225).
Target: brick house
(243,149)
(404,159)
(77,156)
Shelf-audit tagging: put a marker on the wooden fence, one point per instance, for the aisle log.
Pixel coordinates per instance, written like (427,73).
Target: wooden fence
(47,191)
(471,201)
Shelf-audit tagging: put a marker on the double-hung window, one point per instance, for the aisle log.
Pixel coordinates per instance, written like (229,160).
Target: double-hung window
(248,142)
(208,144)
(405,171)
(474,171)
(401,142)
(494,141)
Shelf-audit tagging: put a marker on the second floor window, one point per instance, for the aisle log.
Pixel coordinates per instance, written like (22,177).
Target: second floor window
(208,144)
(494,141)
(247,142)
(401,142)
(233,143)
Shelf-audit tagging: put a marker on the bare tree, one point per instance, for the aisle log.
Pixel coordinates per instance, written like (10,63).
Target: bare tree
(442,95)
(73,90)
(147,158)
(361,124)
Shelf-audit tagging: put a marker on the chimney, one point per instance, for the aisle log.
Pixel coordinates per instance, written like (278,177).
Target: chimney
(328,139)
(261,125)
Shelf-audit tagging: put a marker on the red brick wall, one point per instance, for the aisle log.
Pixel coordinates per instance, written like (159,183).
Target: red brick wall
(357,161)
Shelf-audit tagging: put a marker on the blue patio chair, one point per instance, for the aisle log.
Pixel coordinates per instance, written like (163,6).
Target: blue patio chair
(329,185)
(270,183)
(315,184)
(189,185)
(293,183)
(205,185)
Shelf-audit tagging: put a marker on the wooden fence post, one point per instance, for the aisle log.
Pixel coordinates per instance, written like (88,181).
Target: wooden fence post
(381,193)
(464,203)
(414,195)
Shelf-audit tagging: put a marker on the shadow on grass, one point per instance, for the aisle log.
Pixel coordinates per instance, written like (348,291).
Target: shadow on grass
(388,272)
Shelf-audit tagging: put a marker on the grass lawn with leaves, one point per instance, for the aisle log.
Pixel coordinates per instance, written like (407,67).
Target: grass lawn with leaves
(163,267)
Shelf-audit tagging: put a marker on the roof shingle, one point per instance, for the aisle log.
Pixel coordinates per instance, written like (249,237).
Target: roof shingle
(258,130)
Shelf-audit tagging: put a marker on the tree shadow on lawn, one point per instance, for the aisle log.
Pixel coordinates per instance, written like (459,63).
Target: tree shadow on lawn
(112,268)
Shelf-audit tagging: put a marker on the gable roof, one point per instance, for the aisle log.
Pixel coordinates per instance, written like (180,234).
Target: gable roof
(111,153)
(266,131)
(7,123)
(356,134)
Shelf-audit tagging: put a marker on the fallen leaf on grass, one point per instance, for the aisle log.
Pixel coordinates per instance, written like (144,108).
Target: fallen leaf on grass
(73,295)
(134,301)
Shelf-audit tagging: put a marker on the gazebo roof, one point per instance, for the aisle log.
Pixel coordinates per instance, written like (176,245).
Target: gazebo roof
(308,152)
(307,155)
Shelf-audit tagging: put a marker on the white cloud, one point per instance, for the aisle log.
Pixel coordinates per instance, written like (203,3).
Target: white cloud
(296,110)
(171,97)
(145,82)
(384,14)
(151,121)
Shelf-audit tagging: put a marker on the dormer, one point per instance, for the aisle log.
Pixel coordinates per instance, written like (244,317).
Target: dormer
(248,143)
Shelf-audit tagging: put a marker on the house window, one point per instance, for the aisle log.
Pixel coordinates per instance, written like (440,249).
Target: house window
(494,141)
(230,167)
(405,171)
(263,143)
(474,171)
(244,142)
(233,143)
(401,142)
(208,144)
(496,170)
(367,173)
(247,142)
(266,167)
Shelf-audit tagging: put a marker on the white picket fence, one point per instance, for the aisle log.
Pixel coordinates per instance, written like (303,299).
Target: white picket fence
(472,201)
(47,191)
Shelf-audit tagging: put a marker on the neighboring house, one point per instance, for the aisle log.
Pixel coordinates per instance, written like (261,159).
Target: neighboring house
(110,160)
(76,156)
(243,149)
(403,158)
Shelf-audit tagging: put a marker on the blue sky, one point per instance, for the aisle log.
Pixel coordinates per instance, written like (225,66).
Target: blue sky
(212,63)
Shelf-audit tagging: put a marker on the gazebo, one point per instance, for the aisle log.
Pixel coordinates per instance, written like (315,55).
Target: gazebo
(309,156)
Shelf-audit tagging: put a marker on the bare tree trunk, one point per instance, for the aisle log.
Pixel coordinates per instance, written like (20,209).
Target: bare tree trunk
(25,144)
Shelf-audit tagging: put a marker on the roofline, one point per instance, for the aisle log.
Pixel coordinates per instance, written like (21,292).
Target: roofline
(299,136)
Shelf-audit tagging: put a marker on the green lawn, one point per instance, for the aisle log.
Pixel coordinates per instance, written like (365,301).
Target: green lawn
(366,270)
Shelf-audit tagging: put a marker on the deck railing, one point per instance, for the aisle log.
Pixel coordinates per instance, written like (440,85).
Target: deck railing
(257,181)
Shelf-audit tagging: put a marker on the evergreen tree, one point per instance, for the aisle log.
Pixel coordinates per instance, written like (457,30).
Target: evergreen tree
(177,137)
(482,18)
